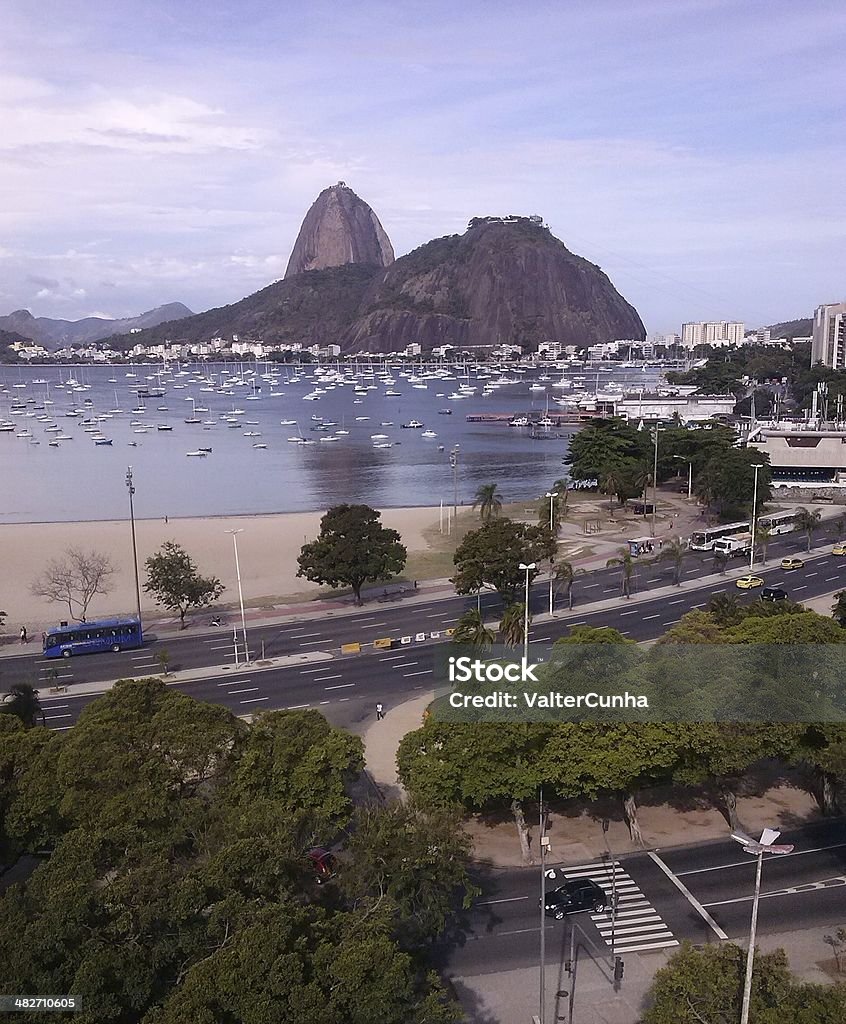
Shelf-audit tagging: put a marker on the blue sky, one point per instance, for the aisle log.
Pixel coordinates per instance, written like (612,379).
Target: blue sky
(152,152)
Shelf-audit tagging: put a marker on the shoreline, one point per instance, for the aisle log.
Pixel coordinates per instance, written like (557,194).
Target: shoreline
(268,546)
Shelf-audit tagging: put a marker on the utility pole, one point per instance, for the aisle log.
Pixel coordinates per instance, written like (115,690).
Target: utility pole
(131,488)
(655,478)
(756,467)
(240,596)
(544,845)
(453,461)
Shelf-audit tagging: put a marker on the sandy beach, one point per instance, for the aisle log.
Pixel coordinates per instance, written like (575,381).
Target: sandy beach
(267,550)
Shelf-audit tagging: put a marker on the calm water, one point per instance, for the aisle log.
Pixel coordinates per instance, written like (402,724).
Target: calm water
(79,480)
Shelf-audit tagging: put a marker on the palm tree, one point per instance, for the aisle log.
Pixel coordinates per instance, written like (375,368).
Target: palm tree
(725,609)
(674,551)
(720,562)
(512,625)
(763,535)
(838,609)
(565,574)
(22,700)
(808,521)
(627,564)
(610,484)
(471,630)
(488,502)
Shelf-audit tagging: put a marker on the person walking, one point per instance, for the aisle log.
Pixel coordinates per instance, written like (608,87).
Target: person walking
(380,712)
(23,635)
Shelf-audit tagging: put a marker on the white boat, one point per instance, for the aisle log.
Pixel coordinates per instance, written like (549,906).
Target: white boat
(196,455)
(378,437)
(259,446)
(412,425)
(428,433)
(287,423)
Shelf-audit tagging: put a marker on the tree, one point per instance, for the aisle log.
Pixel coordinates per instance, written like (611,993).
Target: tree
(488,502)
(763,535)
(838,609)
(627,566)
(512,627)
(565,575)
(352,548)
(720,562)
(22,701)
(175,582)
(674,551)
(808,522)
(472,631)
(75,579)
(727,481)
(606,446)
(491,556)
(725,609)
(609,484)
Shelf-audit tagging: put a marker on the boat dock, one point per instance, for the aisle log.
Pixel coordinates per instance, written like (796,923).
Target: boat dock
(559,419)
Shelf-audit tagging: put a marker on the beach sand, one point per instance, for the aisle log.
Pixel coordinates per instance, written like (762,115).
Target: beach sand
(267,551)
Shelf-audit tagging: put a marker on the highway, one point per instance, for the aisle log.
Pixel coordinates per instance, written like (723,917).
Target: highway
(702,893)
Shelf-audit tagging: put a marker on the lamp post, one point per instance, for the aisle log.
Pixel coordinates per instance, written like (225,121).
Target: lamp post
(131,488)
(240,594)
(453,461)
(655,432)
(689,475)
(552,495)
(756,849)
(756,467)
(527,569)
(544,846)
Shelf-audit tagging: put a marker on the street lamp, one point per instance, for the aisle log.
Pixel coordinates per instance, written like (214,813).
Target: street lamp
(453,461)
(131,488)
(689,475)
(240,595)
(756,849)
(552,495)
(655,432)
(544,849)
(756,467)
(527,569)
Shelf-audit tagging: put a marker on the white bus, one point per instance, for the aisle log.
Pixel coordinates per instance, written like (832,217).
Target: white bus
(703,540)
(778,522)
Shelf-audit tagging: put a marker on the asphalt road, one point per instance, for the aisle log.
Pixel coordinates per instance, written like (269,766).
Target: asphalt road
(702,893)
(212,648)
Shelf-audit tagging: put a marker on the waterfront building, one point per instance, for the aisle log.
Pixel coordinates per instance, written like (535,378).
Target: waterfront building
(828,341)
(718,333)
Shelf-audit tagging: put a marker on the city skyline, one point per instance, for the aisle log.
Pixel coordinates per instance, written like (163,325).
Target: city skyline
(686,148)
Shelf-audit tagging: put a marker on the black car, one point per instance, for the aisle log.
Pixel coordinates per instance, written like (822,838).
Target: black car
(574,897)
(773,594)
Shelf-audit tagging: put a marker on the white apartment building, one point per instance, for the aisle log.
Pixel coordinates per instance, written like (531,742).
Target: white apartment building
(828,341)
(718,333)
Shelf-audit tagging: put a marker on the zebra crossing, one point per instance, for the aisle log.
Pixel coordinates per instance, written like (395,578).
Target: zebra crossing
(638,926)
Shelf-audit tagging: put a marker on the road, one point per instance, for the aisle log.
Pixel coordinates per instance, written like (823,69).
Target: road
(702,893)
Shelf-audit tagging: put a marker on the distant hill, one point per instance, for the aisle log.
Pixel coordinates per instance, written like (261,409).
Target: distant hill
(792,329)
(7,338)
(506,279)
(57,333)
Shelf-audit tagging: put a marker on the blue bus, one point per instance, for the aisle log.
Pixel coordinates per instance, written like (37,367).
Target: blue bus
(90,637)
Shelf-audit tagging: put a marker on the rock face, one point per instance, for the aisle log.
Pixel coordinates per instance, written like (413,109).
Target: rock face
(505,280)
(339,228)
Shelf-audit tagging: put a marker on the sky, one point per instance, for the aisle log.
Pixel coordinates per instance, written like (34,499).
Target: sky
(168,151)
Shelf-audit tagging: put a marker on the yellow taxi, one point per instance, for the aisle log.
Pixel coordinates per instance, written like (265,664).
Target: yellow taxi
(839,549)
(749,582)
(792,563)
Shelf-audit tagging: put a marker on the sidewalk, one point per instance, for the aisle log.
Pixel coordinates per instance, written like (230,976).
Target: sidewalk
(381,740)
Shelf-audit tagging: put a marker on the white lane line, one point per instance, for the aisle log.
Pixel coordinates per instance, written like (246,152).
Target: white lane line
(306,671)
(311,643)
(795,890)
(296,707)
(52,718)
(326,702)
(299,636)
(253,700)
(436,615)
(644,948)
(744,863)
(221,647)
(692,900)
(406,664)
(634,611)
(588,586)
(679,601)
(322,679)
(374,625)
(655,616)
(337,686)
(800,588)
(54,707)
(393,657)
(808,575)
(648,931)
(509,899)
(247,689)
(539,639)
(672,622)
(829,579)
(422,672)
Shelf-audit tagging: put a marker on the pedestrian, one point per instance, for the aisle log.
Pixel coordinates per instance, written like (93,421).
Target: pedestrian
(660,544)
(380,713)
(23,635)
(165,520)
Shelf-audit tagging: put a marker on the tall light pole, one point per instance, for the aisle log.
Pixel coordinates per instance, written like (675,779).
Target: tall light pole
(240,593)
(655,432)
(131,488)
(756,849)
(552,495)
(453,461)
(544,846)
(756,467)
(527,569)
(689,475)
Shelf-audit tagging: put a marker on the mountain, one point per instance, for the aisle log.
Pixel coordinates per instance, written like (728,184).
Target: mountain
(339,228)
(57,333)
(792,328)
(506,279)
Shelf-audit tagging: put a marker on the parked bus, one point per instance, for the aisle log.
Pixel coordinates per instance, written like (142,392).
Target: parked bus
(703,540)
(90,637)
(778,522)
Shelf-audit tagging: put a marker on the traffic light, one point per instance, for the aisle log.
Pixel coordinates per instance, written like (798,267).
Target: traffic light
(619,967)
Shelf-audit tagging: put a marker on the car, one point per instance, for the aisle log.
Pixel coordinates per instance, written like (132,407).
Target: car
(749,582)
(839,549)
(773,594)
(792,563)
(574,897)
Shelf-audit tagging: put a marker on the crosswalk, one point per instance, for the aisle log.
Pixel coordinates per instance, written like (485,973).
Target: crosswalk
(638,927)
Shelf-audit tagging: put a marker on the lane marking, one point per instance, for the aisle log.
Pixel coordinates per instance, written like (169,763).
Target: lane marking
(252,700)
(247,689)
(374,625)
(510,899)
(644,948)
(299,636)
(52,718)
(744,863)
(337,686)
(647,617)
(407,664)
(796,890)
(322,679)
(423,672)
(692,900)
(306,671)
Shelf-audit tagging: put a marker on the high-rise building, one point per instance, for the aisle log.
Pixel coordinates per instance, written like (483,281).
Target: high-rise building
(828,341)
(712,332)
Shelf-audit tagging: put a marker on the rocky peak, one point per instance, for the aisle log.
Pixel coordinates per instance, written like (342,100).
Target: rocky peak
(339,228)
